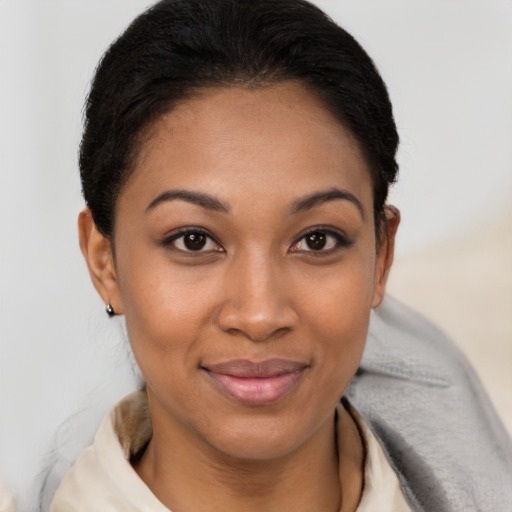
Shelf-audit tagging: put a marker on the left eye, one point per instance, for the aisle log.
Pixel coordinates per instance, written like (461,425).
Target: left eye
(319,241)
(193,241)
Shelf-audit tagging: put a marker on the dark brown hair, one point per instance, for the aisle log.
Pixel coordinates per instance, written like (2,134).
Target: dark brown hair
(179,46)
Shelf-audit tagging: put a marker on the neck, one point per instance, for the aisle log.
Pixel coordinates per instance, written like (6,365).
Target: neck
(185,476)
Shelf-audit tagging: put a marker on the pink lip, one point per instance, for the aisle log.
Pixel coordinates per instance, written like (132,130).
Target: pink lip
(256,383)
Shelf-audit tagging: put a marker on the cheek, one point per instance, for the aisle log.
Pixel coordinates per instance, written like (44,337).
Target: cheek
(339,312)
(166,312)
(340,296)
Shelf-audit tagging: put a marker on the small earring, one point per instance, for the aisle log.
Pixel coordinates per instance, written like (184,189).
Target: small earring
(109,309)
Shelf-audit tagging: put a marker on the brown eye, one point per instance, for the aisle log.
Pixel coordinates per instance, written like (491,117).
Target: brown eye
(321,241)
(194,241)
(316,241)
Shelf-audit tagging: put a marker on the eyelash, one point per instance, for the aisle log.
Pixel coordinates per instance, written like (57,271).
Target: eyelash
(340,240)
(192,230)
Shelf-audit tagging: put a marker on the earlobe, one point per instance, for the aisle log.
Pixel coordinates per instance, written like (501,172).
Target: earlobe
(385,254)
(97,252)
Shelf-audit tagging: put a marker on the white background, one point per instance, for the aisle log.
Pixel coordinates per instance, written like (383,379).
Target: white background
(448,65)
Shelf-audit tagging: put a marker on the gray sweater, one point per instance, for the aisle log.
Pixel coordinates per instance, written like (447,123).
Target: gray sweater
(427,407)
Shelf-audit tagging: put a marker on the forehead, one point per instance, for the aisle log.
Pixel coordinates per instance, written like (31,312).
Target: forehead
(229,140)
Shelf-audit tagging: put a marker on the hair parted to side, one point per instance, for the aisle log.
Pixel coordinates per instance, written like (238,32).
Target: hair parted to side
(180,46)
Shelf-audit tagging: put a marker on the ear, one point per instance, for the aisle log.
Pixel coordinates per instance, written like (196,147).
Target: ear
(385,253)
(97,251)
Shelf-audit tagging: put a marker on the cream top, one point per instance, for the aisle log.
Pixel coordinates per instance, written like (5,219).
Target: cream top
(103,479)
(6,499)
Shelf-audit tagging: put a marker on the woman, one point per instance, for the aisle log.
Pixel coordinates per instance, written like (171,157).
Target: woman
(235,163)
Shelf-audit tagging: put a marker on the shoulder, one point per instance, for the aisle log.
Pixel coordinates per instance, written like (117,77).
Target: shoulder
(427,407)
(102,477)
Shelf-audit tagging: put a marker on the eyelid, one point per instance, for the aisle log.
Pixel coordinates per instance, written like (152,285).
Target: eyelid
(343,241)
(176,234)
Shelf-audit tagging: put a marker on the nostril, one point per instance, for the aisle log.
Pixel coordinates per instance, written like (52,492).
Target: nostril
(261,335)
(256,304)
(256,327)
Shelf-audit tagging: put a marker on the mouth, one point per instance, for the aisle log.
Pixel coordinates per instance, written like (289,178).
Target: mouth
(256,383)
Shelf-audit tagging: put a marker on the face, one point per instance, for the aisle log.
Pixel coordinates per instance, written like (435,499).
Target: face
(246,266)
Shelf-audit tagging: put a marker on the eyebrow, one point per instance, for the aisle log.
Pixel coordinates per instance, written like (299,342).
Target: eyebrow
(209,202)
(205,201)
(325,196)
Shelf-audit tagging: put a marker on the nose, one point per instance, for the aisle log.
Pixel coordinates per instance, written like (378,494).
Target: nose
(258,303)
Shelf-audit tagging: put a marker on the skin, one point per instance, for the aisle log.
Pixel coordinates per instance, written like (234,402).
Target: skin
(255,291)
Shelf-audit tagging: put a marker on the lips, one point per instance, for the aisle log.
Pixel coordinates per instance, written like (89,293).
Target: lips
(256,383)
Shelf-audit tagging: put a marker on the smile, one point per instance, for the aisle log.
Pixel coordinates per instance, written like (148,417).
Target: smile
(256,384)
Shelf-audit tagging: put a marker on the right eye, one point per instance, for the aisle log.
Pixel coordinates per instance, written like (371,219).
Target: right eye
(192,240)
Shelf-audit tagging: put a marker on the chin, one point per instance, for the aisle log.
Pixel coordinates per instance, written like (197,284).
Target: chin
(270,441)
(261,436)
